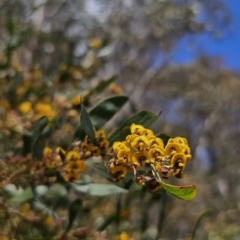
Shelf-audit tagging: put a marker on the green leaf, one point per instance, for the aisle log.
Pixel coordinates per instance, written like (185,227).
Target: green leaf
(106,109)
(10,27)
(183,192)
(27,194)
(144,118)
(203,214)
(37,150)
(99,168)
(103,84)
(98,189)
(164,137)
(27,144)
(87,125)
(73,212)
(36,143)
(102,113)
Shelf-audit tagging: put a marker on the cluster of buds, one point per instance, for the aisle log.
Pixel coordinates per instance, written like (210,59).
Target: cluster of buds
(144,154)
(70,164)
(88,149)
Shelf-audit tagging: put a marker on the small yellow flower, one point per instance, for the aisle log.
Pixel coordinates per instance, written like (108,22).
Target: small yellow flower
(178,160)
(60,151)
(25,107)
(186,150)
(53,161)
(142,157)
(156,142)
(122,156)
(95,43)
(76,166)
(76,101)
(122,236)
(172,148)
(44,109)
(47,151)
(139,143)
(181,140)
(156,154)
(119,145)
(136,129)
(72,176)
(114,88)
(118,172)
(49,221)
(95,151)
(72,156)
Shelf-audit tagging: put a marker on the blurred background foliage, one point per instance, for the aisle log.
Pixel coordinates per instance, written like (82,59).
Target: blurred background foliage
(65,47)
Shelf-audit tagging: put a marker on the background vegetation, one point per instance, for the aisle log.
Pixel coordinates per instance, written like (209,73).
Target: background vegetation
(53,51)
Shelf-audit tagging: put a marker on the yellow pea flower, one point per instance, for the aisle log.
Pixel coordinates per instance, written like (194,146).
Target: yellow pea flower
(172,147)
(140,143)
(72,156)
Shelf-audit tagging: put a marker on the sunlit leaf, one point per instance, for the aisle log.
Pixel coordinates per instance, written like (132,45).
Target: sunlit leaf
(144,118)
(183,192)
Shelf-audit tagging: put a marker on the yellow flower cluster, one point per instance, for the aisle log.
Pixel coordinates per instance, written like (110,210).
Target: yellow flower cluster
(51,159)
(39,109)
(142,150)
(88,149)
(74,165)
(70,163)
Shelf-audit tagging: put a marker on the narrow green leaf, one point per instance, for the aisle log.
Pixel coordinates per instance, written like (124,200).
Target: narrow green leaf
(73,212)
(38,129)
(107,221)
(27,144)
(102,113)
(203,214)
(87,125)
(144,118)
(37,150)
(183,192)
(103,84)
(37,147)
(98,189)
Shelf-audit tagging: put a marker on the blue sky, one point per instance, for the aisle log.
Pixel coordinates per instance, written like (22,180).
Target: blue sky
(228,47)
